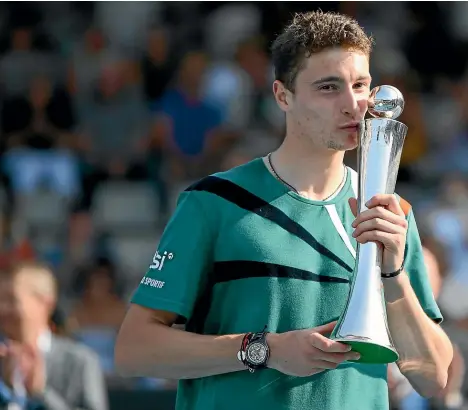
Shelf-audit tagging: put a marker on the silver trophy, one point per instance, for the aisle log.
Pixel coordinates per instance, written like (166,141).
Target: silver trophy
(363,324)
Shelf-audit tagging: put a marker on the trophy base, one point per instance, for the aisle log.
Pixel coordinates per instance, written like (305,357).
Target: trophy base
(371,353)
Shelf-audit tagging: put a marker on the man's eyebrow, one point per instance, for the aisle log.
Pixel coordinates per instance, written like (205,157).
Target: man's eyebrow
(331,79)
(335,79)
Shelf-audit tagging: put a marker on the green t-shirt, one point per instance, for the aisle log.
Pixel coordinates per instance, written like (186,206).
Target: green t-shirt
(242,251)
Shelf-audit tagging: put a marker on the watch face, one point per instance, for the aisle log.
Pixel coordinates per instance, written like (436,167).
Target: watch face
(256,353)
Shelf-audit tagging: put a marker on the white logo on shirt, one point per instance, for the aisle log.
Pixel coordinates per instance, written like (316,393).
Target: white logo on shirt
(152,282)
(158,260)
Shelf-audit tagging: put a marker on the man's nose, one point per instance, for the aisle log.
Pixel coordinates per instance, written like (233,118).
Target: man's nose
(354,105)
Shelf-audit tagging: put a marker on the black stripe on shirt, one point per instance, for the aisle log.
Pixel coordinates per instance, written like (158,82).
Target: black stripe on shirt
(227,271)
(246,200)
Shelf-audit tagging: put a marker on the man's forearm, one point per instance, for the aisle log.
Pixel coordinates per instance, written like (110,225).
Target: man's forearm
(169,353)
(425,350)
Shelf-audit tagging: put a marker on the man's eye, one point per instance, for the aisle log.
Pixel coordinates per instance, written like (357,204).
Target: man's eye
(328,87)
(360,85)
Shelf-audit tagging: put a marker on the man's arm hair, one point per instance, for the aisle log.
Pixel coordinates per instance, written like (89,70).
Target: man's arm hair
(148,346)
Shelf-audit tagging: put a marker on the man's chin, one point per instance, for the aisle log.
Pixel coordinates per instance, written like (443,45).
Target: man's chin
(351,141)
(351,146)
(348,145)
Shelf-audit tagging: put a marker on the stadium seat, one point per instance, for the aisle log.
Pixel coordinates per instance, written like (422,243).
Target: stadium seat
(125,207)
(44,211)
(134,253)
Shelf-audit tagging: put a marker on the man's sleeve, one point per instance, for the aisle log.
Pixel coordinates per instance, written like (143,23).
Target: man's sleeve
(416,268)
(178,271)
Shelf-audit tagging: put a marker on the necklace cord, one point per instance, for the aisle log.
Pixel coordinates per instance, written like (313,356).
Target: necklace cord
(294,189)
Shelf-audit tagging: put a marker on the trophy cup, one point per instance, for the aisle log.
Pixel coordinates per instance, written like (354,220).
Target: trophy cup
(363,325)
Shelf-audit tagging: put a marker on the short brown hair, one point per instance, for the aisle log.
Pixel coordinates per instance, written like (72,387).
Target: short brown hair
(310,33)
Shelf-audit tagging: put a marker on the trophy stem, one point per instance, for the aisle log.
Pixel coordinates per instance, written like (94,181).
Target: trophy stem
(363,325)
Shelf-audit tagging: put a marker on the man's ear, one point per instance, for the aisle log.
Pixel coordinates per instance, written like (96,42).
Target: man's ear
(282,95)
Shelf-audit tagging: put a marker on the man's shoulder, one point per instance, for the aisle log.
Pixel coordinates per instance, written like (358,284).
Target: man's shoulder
(405,205)
(72,350)
(243,176)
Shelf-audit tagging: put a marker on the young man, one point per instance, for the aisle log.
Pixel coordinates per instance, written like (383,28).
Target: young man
(259,248)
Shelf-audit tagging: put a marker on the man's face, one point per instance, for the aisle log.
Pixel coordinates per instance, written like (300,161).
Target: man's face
(21,309)
(331,97)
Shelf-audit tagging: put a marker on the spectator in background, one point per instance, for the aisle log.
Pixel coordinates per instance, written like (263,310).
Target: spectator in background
(235,158)
(88,58)
(431,36)
(15,247)
(59,323)
(39,141)
(402,395)
(453,396)
(192,138)
(266,123)
(241,92)
(228,87)
(448,222)
(112,127)
(157,65)
(253,59)
(241,88)
(416,142)
(23,61)
(96,317)
(39,369)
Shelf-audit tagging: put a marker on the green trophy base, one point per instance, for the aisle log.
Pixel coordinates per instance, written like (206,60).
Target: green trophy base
(371,353)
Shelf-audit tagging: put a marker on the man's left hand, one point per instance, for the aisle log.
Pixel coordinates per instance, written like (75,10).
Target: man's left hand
(384,223)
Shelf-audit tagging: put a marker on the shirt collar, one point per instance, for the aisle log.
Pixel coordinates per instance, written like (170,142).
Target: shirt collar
(45,341)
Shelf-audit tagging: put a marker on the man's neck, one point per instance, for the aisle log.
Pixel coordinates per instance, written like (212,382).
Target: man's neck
(314,173)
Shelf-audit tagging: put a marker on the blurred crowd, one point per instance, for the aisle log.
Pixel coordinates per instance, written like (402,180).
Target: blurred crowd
(108,110)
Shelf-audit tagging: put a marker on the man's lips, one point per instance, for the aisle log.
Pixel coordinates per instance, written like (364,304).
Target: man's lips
(350,127)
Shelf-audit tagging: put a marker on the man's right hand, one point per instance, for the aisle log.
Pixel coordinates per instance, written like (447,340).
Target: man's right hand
(307,352)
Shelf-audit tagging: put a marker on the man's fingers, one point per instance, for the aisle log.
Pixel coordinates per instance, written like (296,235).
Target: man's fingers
(380,213)
(388,240)
(337,358)
(325,329)
(387,200)
(378,224)
(327,345)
